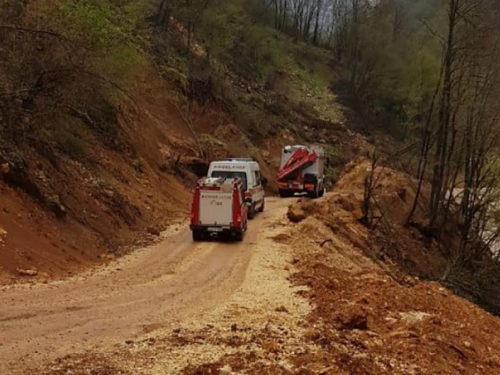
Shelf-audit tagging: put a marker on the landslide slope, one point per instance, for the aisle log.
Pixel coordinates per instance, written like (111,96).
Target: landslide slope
(373,310)
(107,121)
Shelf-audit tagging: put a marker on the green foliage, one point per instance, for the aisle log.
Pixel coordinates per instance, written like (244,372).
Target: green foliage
(208,140)
(335,162)
(220,26)
(113,35)
(254,55)
(391,60)
(260,52)
(91,20)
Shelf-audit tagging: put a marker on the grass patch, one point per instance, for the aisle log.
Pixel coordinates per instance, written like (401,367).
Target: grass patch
(335,162)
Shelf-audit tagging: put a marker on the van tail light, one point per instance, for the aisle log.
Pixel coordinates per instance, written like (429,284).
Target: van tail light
(237,207)
(195,208)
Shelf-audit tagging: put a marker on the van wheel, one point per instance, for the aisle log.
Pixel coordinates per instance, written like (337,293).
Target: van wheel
(321,192)
(262,206)
(238,236)
(251,211)
(197,235)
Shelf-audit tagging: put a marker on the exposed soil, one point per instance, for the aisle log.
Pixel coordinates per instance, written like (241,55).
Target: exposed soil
(316,295)
(66,212)
(368,321)
(33,239)
(89,209)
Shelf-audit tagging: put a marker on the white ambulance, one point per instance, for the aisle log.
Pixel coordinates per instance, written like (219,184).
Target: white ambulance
(248,170)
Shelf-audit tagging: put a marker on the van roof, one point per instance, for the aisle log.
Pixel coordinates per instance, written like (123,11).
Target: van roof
(234,161)
(218,181)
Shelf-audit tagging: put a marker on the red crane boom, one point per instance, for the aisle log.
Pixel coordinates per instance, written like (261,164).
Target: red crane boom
(301,159)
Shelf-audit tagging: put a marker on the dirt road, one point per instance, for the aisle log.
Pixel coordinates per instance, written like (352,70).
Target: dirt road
(166,283)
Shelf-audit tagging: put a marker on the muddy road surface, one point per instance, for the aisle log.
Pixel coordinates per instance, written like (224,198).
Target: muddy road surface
(166,283)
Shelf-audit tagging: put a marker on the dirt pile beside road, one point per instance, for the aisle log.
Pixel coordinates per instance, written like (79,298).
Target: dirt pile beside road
(370,315)
(411,247)
(367,319)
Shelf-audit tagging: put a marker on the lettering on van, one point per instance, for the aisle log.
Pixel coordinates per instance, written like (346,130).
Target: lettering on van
(229,167)
(216,197)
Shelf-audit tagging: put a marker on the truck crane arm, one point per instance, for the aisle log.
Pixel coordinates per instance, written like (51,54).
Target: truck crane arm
(301,159)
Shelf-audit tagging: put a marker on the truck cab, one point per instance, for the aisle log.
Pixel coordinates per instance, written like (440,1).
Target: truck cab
(248,170)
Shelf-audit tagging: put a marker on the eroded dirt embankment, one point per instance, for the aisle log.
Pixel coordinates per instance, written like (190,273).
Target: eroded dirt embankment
(63,214)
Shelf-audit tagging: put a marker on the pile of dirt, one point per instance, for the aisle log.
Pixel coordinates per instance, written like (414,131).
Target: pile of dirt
(409,245)
(370,315)
(368,319)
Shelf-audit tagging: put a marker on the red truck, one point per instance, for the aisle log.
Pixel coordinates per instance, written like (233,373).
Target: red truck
(219,209)
(301,171)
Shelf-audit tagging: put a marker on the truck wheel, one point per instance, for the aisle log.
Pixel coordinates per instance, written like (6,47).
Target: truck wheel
(284,193)
(313,194)
(321,192)
(197,235)
(251,211)
(262,206)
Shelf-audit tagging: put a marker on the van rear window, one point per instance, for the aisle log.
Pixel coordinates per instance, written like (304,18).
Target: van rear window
(229,174)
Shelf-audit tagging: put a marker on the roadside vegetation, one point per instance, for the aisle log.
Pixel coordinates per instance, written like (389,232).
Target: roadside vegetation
(426,72)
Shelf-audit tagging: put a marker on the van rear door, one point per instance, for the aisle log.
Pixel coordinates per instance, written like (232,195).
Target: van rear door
(216,208)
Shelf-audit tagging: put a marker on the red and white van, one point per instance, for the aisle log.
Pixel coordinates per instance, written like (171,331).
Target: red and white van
(219,209)
(248,170)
